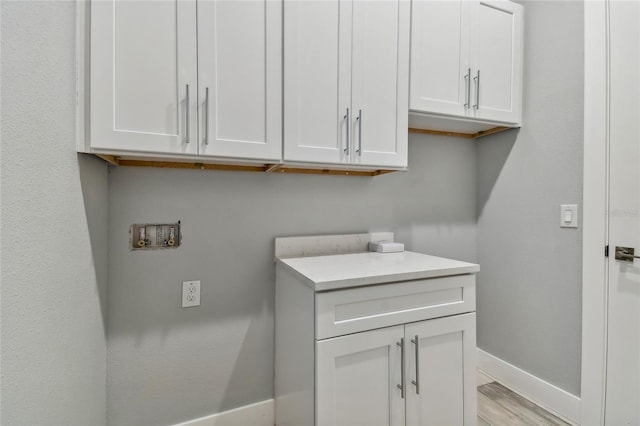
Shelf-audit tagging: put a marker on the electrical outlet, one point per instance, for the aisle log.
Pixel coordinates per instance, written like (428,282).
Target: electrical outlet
(190,294)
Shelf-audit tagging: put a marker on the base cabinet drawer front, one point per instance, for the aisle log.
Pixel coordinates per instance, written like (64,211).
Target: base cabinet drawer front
(348,311)
(441,371)
(357,378)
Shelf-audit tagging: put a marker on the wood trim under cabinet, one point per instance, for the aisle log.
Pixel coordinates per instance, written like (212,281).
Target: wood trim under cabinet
(265,168)
(475,135)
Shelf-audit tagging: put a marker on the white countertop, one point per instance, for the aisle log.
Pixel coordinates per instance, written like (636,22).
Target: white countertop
(358,269)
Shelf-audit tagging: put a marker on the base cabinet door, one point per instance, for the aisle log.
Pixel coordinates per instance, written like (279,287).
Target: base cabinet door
(357,378)
(441,366)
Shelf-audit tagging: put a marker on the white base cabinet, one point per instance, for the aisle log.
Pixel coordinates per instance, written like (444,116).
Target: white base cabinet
(357,379)
(441,370)
(397,353)
(363,378)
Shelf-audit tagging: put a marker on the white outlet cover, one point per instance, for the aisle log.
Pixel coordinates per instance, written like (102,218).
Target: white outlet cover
(190,294)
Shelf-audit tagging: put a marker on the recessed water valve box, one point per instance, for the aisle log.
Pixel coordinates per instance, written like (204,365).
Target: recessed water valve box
(155,236)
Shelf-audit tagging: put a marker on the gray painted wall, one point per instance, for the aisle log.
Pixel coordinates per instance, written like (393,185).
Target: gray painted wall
(529,286)
(54,229)
(167,364)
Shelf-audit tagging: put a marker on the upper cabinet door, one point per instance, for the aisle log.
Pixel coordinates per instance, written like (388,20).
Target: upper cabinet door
(441,371)
(240,78)
(497,53)
(357,378)
(317,79)
(380,82)
(440,62)
(143,76)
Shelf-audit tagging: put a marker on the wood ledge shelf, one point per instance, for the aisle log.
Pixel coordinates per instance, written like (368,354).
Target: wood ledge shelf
(475,135)
(264,168)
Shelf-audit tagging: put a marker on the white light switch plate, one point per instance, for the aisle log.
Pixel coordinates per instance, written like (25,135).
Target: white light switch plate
(190,294)
(569,216)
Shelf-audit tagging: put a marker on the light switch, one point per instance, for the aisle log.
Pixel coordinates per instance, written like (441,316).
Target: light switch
(569,216)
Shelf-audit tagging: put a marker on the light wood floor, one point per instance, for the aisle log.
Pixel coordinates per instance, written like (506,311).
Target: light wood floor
(499,406)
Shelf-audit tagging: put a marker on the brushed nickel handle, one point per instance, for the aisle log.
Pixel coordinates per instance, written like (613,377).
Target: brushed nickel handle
(401,385)
(206,116)
(359,150)
(187,137)
(347,118)
(477,80)
(626,254)
(467,92)
(416,382)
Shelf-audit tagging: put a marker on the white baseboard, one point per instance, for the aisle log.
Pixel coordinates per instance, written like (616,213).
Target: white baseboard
(550,397)
(258,414)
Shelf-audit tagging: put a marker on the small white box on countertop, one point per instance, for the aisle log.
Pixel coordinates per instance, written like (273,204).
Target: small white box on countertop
(386,247)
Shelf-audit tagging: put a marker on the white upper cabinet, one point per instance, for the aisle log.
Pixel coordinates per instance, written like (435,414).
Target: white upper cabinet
(187,78)
(182,79)
(317,87)
(380,82)
(440,63)
(497,54)
(466,59)
(143,76)
(346,82)
(240,78)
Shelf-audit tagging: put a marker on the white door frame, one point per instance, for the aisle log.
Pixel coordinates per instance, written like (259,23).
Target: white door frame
(595,228)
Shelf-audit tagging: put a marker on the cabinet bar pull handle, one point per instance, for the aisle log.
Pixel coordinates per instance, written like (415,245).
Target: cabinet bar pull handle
(416,382)
(467,94)
(187,114)
(359,150)
(206,116)
(347,118)
(401,385)
(477,80)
